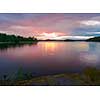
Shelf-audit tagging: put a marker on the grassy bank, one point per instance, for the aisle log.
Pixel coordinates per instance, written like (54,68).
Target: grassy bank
(90,76)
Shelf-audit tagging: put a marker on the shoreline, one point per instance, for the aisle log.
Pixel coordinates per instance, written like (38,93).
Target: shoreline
(23,42)
(18,42)
(89,77)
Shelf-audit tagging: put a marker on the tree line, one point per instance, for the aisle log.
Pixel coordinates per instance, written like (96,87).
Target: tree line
(13,38)
(95,39)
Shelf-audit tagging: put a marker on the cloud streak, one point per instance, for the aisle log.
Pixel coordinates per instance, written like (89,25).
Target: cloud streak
(90,23)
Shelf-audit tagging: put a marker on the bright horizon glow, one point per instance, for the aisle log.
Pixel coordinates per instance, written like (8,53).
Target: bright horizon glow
(54,36)
(45,36)
(50,35)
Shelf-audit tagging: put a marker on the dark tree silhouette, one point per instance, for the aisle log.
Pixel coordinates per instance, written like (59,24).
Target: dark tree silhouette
(95,39)
(15,39)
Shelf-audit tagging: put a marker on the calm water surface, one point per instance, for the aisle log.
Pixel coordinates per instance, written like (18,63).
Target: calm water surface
(49,57)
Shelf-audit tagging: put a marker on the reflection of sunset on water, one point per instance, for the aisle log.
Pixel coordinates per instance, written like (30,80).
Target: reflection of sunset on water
(50,57)
(81,47)
(50,48)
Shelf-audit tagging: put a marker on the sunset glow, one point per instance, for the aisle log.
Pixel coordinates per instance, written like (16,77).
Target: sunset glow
(51,26)
(51,35)
(45,36)
(50,48)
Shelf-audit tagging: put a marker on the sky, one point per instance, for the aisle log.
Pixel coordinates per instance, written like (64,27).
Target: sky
(51,25)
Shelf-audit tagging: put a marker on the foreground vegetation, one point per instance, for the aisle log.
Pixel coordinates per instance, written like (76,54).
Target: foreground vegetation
(90,76)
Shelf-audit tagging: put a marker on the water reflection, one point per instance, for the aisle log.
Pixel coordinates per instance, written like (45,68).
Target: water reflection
(49,48)
(5,46)
(92,56)
(49,57)
(89,58)
(84,46)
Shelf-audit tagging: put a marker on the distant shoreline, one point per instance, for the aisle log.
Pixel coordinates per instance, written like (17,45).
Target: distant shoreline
(30,42)
(66,41)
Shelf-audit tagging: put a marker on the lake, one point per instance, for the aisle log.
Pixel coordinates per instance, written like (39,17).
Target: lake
(44,58)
